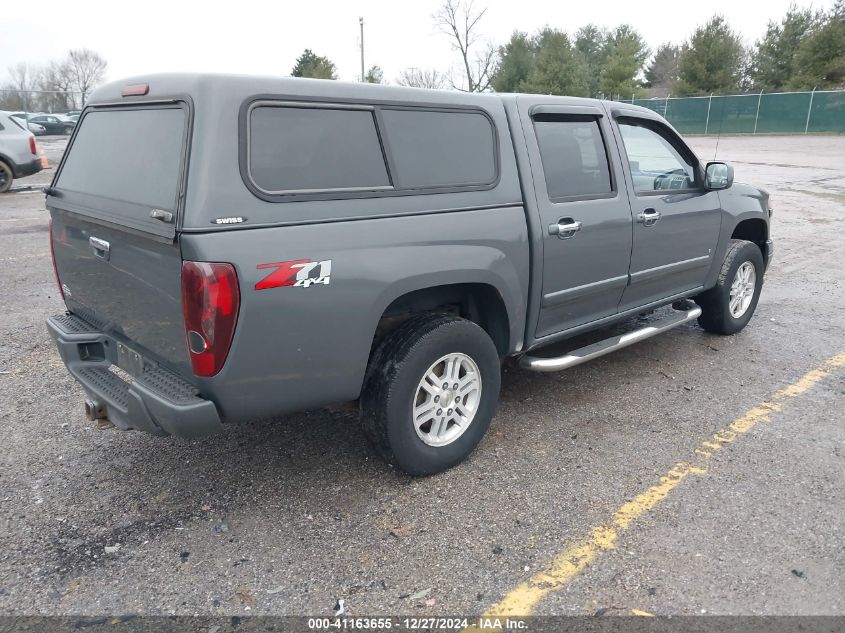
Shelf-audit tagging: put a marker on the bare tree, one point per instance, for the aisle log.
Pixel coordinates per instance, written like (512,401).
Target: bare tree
(23,76)
(86,69)
(57,87)
(459,19)
(60,85)
(421,78)
(18,90)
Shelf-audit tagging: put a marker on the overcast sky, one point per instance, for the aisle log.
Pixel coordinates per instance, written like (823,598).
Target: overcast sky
(253,37)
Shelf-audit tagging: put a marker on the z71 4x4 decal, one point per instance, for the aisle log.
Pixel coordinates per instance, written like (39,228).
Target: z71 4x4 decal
(300,273)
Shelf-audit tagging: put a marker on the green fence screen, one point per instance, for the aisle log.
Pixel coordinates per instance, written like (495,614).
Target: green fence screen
(774,113)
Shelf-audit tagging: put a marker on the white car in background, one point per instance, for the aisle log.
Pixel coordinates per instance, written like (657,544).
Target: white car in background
(35,128)
(18,151)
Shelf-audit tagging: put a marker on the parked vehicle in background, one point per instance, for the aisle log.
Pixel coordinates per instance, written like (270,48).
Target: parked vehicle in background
(53,123)
(334,242)
(35,128)
(18,152)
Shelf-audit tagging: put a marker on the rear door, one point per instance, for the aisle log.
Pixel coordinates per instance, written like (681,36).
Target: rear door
(115,205)
(585,217)
(676,223)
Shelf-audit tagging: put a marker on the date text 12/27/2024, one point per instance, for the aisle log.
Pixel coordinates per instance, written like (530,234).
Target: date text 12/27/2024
(418,623)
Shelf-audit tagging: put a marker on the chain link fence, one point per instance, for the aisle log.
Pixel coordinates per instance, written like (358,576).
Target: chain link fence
(35,101)
(761,113)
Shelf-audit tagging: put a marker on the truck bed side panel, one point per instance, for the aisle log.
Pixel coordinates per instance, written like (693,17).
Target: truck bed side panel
(297,347)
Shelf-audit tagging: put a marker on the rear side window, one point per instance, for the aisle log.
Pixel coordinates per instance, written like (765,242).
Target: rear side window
(315,149)
(573,156)
(132,155)
(435,149)
(295,151)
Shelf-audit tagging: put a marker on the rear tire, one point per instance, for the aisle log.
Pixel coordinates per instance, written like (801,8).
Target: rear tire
(6,177)
(729,306)
(68,130)
(414,423)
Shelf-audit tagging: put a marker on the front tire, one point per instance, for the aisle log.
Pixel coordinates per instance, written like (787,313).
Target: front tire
(430,393)
(729,306)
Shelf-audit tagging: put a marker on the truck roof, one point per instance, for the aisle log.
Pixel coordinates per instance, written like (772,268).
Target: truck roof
(208,84)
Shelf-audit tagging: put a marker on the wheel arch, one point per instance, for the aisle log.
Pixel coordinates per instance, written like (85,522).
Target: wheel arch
(479,301)
(752,229)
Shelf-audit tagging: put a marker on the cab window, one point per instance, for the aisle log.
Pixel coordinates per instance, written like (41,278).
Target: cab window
(656,164)
(574,160)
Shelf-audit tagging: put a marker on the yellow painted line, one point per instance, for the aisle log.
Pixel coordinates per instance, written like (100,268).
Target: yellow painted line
(522,600)
(644,614)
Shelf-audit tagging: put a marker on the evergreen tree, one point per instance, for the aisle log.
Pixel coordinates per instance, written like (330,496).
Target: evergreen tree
(591,45)
(820,60)
(516,58)
(310,65)
(712,61)
(773,60)
(375,75)
(557,70)
(662,72)
(626,52)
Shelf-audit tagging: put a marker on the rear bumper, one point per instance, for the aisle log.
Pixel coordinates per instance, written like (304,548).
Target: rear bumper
(27,169)
(157,401)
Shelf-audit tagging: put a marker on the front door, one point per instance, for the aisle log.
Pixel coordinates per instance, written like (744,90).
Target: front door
(676,222)
(585,217)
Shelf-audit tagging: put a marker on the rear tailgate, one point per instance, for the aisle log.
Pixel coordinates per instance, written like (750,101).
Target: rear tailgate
(115,211)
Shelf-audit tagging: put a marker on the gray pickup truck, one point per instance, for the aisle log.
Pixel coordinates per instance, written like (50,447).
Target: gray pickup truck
(231,248)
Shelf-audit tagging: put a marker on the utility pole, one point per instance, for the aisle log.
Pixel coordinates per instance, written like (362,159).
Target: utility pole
(361,22)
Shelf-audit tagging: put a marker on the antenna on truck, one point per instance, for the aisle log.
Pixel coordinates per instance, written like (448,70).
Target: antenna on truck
(361,22)
(719,133)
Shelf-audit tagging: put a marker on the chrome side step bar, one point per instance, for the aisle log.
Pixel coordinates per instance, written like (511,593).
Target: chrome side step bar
(687,312)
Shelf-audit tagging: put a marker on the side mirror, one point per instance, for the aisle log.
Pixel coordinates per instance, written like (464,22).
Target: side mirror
(718,176)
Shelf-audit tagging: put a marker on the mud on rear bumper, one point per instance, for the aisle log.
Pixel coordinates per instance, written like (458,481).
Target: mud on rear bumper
(157,401)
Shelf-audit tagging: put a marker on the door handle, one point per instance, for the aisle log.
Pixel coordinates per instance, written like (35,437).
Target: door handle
(565,228)
(160,214)
(100,247)
(649,217)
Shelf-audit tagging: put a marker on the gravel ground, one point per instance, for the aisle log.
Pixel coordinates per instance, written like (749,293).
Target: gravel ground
(286,516)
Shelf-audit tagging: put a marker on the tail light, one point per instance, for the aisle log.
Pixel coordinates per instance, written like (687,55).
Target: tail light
(32,145)
(210,303)
(53,257)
